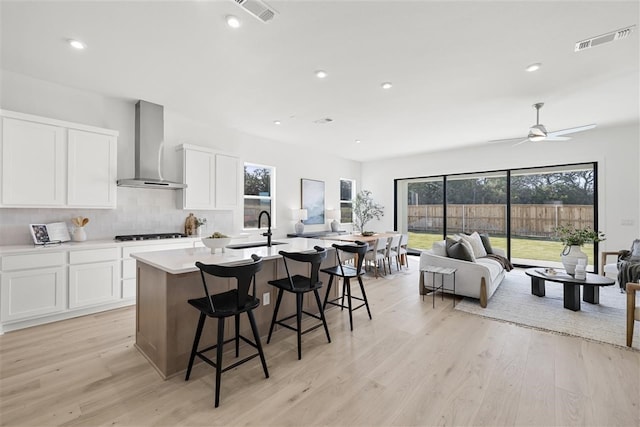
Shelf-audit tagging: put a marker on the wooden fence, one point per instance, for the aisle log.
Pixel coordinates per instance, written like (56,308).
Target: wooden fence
(526,220)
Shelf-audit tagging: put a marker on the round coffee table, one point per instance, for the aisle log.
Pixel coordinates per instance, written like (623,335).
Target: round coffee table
(591,284)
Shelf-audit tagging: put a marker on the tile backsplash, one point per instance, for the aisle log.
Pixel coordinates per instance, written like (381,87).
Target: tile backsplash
(139,211)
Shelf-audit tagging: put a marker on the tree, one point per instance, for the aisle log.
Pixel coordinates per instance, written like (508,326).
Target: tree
(365,209)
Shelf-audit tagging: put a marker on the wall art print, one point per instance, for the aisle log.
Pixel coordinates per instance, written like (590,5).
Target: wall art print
(313,200)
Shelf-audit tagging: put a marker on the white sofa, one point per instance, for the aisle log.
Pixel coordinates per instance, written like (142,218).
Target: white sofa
(478,279)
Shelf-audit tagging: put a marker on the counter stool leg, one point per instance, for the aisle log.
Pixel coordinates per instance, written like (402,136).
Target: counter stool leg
(275,314)
(256,337)
(326,296)
(321,310)
(344,289)
(299,323)
(219,358)
(196,341)
(237,316)
(364,296)
(347,286)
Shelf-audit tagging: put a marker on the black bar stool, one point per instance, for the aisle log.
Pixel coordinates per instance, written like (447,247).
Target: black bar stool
(223,305)
(347,273)
(299,285)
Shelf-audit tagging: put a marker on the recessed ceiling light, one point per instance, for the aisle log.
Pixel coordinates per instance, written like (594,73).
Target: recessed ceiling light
(358,141)
(533,67)
(233,21)
(321,74)
(277,122)
(386,85)
(77,44)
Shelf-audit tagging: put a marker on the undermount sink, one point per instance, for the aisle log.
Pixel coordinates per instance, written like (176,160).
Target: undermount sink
(252,245)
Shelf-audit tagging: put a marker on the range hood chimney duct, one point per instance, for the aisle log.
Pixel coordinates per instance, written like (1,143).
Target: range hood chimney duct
(149,139)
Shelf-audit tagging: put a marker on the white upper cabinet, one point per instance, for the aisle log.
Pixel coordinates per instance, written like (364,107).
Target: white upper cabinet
(228,181)
(52,163)
(33,164)
(92,169)
(213,179)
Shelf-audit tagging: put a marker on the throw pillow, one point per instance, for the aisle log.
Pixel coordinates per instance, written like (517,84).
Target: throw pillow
(475,242)
(486,243)
(439,248)
(458,250)
(635,251)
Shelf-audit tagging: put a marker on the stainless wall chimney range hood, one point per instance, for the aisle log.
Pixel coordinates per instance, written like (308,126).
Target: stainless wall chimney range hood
(149,138)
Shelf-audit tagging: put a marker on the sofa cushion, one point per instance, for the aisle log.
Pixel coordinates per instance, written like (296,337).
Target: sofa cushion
(439,248)
(459,250)
(486,243)
(494,267)
(476,244)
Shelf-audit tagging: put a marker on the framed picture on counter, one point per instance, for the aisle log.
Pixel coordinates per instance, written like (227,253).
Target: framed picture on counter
(46,234)
(313,200)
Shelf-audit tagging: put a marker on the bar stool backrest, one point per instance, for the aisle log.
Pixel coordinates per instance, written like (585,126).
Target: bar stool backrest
(244,274)
(314,258)
(360,249)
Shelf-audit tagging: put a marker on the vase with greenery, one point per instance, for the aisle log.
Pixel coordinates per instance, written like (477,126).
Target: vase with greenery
(365,209)
(573,239)
(200,223)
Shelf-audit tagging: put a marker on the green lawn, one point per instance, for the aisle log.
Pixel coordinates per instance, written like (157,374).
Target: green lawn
(545,250)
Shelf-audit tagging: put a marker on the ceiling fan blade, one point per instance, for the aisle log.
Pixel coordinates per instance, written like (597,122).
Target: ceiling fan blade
(572,130)
(495,141)
(521,142)
(557,138)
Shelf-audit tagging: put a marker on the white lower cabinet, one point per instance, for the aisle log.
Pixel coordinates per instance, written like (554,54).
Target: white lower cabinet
(91,284)
(94,277)
(28,294)
(38,287)
(33,285)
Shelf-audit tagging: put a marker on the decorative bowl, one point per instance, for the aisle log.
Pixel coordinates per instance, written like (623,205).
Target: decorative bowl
(212,243)
(368,233)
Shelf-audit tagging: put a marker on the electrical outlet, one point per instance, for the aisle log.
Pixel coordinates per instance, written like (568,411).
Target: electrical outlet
(266,298)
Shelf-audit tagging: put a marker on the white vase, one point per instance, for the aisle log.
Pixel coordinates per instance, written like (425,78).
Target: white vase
(570,256)
(79,235)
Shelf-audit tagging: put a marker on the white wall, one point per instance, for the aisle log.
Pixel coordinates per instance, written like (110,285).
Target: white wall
(615,149)
(147,211)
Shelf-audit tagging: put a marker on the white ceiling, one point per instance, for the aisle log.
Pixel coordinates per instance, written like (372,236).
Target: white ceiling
(457,67)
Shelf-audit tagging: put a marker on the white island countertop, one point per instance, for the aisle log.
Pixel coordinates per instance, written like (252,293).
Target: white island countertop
(179,261)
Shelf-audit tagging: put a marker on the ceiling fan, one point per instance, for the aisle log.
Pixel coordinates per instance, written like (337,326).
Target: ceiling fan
(539,133)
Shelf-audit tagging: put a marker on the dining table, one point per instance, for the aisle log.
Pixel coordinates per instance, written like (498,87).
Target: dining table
(360,238)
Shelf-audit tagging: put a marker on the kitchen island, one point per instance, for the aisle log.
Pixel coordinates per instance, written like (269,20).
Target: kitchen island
(166,323)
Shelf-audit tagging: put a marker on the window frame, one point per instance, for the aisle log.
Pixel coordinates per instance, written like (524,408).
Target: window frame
(271,198)
(345,201)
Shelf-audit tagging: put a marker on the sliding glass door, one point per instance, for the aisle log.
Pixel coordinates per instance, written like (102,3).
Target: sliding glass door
(543,199)
(478,202)
(519,208)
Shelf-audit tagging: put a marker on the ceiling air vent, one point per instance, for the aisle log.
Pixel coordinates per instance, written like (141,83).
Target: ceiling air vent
(604,38)
(257,8)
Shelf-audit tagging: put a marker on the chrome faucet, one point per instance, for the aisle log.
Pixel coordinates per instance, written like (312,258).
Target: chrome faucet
(268,233)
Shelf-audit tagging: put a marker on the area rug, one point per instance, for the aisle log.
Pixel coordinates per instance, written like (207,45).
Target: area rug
(513,302)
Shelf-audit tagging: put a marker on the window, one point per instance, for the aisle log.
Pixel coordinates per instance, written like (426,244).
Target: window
(347,195)
(259,193)
(519,208)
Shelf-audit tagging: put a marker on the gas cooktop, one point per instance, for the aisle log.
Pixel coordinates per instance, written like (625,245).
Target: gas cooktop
(154,236)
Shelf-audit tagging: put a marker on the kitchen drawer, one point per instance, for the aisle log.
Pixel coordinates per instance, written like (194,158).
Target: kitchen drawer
(127,251)
(29,261)
(93,255)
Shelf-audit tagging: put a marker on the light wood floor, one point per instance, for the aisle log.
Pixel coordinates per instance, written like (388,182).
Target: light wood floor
(410,365)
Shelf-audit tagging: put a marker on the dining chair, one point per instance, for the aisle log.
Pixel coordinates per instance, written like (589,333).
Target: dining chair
(393,252)
(377,254)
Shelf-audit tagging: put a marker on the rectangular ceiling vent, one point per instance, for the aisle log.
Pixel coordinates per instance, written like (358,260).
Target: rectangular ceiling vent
(604,38)
(258,8)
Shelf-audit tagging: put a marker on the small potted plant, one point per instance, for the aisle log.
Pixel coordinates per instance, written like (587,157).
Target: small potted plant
(200,222)
(573,239)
